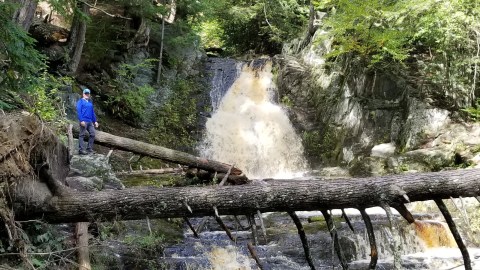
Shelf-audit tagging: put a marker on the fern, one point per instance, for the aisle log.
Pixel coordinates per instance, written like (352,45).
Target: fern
(19,60)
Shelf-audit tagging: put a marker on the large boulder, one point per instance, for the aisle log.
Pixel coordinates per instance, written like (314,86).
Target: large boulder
(423,123)
(92,172)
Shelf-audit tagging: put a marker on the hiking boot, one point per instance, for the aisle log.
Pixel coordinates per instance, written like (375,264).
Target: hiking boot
(91,152)
(82,152)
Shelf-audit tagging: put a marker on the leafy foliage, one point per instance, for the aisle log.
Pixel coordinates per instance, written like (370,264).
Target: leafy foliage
(433,42)
(384,30)
(176,119)
(43,99)
(45,239)
(474,111)
(261,26)
(43,244)
(129,99)
(211,34)
(23,77)
(105,37)
(366,28)
(19,61)
(247,26)
(147,242)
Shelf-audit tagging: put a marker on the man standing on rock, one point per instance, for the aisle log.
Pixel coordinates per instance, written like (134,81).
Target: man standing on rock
(88,122)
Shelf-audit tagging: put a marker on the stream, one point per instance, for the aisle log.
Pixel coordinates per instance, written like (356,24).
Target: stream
(249,129)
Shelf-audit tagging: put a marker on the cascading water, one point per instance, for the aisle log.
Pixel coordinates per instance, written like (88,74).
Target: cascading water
(249,130)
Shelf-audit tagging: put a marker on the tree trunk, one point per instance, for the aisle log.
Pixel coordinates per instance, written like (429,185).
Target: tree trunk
(24,15)
(312,28)
(171,17)
(82,244)
(151,172)
(173,12)
(160,56)
(155,151)
(77,38)
(47,34)
(266,196)
(142,36)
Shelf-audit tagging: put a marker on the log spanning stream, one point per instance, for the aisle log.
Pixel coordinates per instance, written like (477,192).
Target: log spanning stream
(250,130)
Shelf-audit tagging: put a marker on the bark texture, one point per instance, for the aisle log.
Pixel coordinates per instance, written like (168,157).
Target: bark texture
(47,34)
(155,151)
(151,172)
(24,15)
(77,37)
(266,196)
(82,244)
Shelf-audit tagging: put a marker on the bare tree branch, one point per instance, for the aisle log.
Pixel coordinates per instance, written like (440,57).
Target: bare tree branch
(456,235)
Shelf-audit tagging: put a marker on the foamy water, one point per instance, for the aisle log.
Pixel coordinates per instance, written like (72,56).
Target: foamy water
(249,130)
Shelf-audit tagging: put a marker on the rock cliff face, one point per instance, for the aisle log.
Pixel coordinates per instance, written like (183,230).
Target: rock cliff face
(354,116)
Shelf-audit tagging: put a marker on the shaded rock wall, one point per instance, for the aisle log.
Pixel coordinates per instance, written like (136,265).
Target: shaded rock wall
(342,113)
(343,108)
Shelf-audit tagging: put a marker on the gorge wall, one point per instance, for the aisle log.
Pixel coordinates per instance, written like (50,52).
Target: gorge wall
(373,121)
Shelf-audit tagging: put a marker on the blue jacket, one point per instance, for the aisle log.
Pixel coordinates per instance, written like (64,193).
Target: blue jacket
(85,111)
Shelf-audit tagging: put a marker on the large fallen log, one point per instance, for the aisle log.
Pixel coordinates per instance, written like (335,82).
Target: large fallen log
(155,151)
(34,165)
(151,172)
(266,196)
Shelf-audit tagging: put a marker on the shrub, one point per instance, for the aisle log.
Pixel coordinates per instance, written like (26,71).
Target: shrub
(129,100)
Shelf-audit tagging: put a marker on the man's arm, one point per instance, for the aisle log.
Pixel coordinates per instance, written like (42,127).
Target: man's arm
(79,110)
(94,116)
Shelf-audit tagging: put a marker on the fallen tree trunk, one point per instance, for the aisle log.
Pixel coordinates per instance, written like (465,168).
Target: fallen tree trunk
(266,196)
(151,172)
(155,151)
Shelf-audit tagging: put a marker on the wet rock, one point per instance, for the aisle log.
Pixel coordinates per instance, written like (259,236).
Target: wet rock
(349,247)
(369,166)
(363,264)
(97,169)
(145,74)
(432,159)
(222,73)
(284,249)
(332,172)
(422,124)
(350,113)
(475,160)
(360,111)
(383,150)
(84,183)
(191,57)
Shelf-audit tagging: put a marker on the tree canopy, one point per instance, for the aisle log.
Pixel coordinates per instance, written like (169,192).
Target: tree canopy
(446,33)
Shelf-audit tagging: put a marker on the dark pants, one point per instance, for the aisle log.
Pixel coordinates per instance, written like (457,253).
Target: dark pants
(91,131)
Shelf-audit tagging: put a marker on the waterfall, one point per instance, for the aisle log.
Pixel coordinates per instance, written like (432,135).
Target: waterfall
(249,130)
